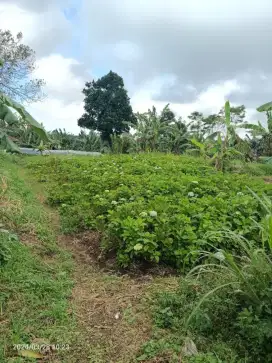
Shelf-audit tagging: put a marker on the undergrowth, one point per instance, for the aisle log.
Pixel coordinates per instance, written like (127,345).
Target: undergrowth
(34,273)
(223,308)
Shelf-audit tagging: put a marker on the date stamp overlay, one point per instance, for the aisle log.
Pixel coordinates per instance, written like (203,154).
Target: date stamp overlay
(42,348)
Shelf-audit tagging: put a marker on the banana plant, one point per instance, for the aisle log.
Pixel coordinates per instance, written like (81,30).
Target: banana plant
(267,108)
(9,119)
(223,144)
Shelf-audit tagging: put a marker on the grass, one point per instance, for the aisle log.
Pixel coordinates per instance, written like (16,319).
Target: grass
(223,306)
(35,275)
(52,291)
(254,168)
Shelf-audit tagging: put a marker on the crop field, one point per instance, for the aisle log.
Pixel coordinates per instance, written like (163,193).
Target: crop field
(152,207)
(149,258)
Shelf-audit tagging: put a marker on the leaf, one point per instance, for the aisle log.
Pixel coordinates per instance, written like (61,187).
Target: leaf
(227,113)
(213,135)
(198,144)
(204,298)
(38,128)
(30,354)
(7,115)
(265,107)
(189,349)
(9,145)
(254,127)
(138,247)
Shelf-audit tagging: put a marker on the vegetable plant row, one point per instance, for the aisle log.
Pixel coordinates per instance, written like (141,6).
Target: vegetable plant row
(152,207)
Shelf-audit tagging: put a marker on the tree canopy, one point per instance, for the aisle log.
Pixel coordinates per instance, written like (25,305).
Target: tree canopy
(18,65)
(107,107)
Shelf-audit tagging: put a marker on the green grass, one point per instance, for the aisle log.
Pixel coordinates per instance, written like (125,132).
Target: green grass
(37,304)
(223,306)
(254,169)
(35,275)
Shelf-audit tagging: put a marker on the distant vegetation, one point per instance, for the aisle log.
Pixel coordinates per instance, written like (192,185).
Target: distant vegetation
(114,128)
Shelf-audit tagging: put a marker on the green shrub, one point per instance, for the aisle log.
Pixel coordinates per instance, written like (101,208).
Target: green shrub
(228,299)
(151,207)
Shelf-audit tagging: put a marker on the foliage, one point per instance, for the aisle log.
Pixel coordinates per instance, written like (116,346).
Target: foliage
(154,208)
(261,137)
(18,64)
(107,107)
(224,144)
(10,119)
(225,305)
(160,132)
(61,139)
(254,168)
(6,240)
(34,297)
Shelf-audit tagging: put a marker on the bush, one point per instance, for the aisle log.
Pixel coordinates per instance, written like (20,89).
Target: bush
(228,299)
(155,208)
(224,306)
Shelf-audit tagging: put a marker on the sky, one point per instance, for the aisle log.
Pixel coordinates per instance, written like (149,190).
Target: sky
(192,54)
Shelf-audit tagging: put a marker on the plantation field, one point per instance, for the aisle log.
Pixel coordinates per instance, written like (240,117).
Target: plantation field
(147,209)
(152,207)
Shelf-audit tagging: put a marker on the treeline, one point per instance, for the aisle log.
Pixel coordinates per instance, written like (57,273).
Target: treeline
(110,125)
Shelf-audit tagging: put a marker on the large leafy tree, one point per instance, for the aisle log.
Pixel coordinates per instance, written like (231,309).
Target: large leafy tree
(107,107)
(18,66)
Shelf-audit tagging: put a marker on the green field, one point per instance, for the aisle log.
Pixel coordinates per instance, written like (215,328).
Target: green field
(152,208)
(110,277)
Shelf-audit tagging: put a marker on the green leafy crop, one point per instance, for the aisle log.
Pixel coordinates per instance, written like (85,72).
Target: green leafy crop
(154,208)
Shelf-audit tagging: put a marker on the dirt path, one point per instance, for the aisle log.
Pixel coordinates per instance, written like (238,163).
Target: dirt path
(112,311)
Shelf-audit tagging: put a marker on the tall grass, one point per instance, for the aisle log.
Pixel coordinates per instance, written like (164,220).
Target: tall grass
(248,277)
(225,304)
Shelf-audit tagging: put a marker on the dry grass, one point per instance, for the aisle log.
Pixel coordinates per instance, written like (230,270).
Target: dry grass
(267,179)
(113,311)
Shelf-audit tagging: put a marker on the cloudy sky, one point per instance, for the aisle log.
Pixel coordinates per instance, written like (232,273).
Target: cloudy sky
(193,54)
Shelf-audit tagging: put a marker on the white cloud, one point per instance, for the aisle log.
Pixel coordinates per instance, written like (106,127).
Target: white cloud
(61,82)
(63,106)
(43,30)
(209,101)
(55,114)
(127,51)
(15,19)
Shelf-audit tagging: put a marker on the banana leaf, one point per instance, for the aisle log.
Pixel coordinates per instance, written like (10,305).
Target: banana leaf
(227,114)
(9,117)
(265,107)
(8,144)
